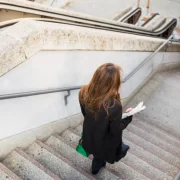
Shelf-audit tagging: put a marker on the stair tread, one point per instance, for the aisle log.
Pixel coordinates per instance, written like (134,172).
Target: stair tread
(25,167)
(151,157)
(157,132)
(6,174)
(153,160)
(124,171)
(55,162)
(131,161)
(154,140)
(164,155)
(59,145)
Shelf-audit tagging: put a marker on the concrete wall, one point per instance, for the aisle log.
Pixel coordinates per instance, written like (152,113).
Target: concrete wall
(52,69)
(21,41)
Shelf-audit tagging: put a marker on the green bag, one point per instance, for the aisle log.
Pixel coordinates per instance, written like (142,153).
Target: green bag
(81,150)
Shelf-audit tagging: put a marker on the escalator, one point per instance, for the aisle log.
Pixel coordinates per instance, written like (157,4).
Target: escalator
(129,15)
(33,10)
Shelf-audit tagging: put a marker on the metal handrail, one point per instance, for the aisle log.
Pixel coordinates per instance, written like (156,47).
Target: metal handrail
(68,89)
(146,60)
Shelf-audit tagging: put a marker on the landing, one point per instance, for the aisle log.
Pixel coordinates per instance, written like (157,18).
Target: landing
(161,95)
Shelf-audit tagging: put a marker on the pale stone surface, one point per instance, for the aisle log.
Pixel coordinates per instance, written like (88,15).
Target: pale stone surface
(25,139)
(26,38)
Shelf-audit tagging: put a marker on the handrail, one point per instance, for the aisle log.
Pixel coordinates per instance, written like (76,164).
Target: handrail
(40,92)
(146,60)
(68,89)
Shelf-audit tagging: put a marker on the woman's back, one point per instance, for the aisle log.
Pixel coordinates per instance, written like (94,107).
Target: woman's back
(102,110)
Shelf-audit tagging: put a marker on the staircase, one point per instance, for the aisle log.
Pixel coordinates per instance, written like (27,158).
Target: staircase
(154,149)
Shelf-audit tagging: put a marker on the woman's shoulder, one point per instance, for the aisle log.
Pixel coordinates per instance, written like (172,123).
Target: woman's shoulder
(115,106)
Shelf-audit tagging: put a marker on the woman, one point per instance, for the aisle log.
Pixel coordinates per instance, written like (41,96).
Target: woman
(102,110)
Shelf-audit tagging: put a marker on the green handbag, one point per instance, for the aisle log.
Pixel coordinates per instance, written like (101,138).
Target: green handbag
(81,150)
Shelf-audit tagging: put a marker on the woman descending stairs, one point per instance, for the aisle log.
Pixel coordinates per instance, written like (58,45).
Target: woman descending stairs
(153,137)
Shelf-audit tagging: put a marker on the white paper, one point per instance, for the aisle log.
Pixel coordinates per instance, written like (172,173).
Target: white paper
(140,107)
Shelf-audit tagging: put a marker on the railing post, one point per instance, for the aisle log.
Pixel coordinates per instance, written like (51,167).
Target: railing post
(66,96)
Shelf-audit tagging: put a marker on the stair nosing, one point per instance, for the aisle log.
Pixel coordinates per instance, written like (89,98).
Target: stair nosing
(161,130)
(148,150)
(9,172)
(129,139)
(132,167)
(151,140)
(157,167)
(37,164)
(156,129)
(74,147)
(59,156)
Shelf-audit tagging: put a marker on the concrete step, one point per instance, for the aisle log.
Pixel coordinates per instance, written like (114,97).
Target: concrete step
(158,133)
(57,143)
(154,140)
(78,129)
(170,78)
(162,104)
(139,141)
(58,164)
(126,172)
(26,167)
(130,162)
(144,168)
(134,162)
(151,159)
(151,148)
(6,174)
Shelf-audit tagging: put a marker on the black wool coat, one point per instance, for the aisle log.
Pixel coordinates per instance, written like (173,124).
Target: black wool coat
(103,135)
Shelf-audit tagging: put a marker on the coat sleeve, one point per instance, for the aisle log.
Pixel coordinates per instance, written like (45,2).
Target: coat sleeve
(117,124)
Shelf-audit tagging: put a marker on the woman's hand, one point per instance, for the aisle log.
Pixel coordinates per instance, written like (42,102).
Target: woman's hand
(129,110)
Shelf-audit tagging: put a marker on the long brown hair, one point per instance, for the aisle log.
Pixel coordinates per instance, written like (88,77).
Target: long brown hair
(102,89)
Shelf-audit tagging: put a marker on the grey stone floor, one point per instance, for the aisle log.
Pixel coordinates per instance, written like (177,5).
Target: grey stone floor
(161,95)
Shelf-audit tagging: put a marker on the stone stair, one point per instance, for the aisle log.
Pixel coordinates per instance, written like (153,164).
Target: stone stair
(154,154)
(56,158)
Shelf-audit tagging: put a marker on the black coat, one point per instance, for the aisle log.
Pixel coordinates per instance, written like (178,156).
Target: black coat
(103,136)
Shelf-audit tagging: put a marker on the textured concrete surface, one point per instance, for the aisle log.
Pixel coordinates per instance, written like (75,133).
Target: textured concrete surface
(164,155)
(24,168)
(166,164)
(158,133)
(6,174)
(163,102)
(60,145)
(128,168)
(154,140)
(29,37)
(25,139)
(56,163)
(152,159)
